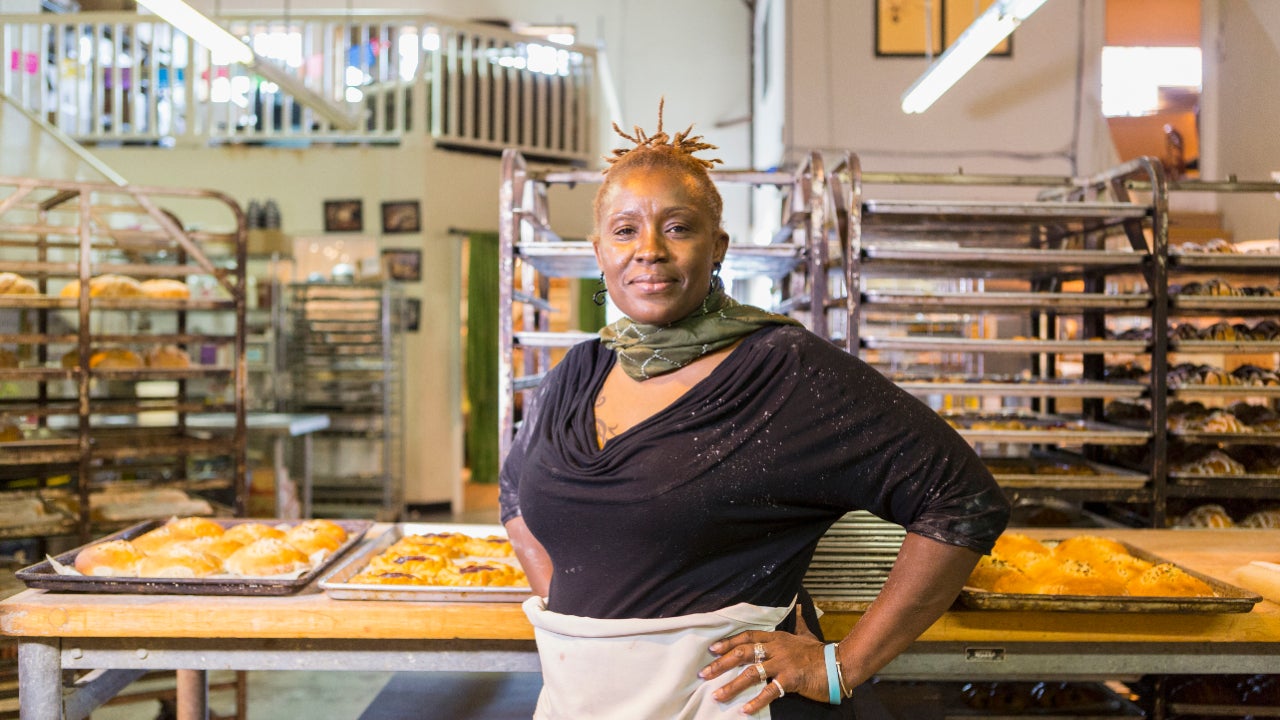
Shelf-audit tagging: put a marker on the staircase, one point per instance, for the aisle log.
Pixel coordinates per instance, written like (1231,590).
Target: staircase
(126,79)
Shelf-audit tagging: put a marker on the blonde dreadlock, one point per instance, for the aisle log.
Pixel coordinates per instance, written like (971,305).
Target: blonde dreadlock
(662,151)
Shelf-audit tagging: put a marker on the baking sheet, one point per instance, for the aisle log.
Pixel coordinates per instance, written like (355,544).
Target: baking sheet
(336,584)
(918,343)
(1044,427)
(1105,477)
(944,301)
(43,576)
(1229,598)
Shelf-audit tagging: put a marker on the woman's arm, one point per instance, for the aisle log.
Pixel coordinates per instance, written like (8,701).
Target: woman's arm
(924,582)
(532,556)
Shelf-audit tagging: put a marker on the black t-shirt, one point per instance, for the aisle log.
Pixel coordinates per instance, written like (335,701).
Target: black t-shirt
(721,497)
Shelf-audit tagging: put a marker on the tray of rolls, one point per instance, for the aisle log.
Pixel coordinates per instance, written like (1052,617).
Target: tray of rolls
(432,562)
(1016,425)
(201,556)
(1091,573)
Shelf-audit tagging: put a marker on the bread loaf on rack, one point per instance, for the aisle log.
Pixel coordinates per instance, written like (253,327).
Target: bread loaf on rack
(165,289)
(169,357)
(15,284)
(106,286)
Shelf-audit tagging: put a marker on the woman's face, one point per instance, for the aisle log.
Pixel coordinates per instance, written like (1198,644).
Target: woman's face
(657,245)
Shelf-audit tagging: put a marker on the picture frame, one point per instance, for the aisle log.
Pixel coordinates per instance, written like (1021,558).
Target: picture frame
(344,215)
(402,264)
(900,27)
(410,314)
(401,216)
(958,15)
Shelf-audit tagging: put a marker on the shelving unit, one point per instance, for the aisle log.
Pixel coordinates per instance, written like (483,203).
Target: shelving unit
(345,360)
(802,261)
(87,428)
(997,314)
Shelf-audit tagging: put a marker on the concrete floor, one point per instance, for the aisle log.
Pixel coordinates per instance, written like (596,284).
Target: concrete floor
(271,695)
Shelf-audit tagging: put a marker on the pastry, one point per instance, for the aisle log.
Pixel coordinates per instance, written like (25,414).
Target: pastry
(15,284)
(265,558)
(1073,577)
(1261,519)
(1166,580)
(328,527)
(481,575)
(371,577)
(113,558)
(422,545)
(989,570)
(1206,516)
(1214,462)
(165,289)
(1088,548)
(492,546)
(423,566)
(1010,544)
(178,561)
(168,356)
(194,527)
(106,286)
(219,546)
(250,531)
(312,542)
(114,359)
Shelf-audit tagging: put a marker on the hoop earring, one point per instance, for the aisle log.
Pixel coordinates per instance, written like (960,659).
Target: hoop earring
(717,283)
(601,294)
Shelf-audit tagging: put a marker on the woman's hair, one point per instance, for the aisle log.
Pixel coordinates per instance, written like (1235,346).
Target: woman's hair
(662,151)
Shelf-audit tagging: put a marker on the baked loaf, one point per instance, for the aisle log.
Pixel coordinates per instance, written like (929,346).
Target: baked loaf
(114,558)
(115,359)
(15,284)
(165,289)
(179,561)
(106,286)
(268,557)
(248,532)
(168,356)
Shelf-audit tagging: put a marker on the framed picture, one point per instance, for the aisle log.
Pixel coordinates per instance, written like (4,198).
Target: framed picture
(900,27)
(343,215)
(410,314)
(401,216)
(403,265)
(958,15)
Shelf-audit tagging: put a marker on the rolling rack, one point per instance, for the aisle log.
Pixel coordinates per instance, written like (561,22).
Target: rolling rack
(86,428)
(803,261)
(997,312)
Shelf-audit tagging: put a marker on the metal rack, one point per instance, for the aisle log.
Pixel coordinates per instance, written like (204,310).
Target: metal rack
(86,428)
(803,260)
(976,296)
(345,360)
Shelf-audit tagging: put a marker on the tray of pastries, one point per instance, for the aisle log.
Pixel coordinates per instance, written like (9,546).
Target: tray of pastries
(439,562)
(1060,470)
(1091,573)
(196,555)
(1015,425)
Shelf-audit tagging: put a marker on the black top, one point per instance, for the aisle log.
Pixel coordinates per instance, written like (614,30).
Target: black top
(721,497)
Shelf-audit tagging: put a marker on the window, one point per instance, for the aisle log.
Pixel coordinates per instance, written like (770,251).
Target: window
(1134,78)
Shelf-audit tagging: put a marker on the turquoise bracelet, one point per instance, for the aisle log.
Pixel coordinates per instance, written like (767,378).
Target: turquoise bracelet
(833,674)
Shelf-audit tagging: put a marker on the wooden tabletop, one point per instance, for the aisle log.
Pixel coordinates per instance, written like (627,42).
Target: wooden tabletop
(313,614)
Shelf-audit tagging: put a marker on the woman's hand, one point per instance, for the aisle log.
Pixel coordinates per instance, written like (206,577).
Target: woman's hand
(791,664)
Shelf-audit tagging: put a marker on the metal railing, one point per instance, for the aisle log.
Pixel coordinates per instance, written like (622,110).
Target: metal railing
(109,77)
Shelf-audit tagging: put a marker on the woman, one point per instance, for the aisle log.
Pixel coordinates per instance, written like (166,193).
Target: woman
(670,482)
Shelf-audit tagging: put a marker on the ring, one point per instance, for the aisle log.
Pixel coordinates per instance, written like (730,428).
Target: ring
(775,683)
(760,656)
(764,677)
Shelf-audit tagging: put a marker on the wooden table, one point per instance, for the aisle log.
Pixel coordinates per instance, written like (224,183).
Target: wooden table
(131,634)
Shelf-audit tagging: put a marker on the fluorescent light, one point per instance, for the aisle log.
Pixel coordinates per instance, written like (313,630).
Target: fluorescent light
(978,39)
(195,25)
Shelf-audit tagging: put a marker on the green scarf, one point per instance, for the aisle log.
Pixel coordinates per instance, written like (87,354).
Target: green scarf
(646,351)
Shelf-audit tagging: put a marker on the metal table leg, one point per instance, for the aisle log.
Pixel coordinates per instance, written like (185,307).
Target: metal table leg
(39,679)
(193,695)
(306,475)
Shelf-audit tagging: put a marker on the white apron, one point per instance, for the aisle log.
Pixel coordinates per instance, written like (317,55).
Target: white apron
(639,669)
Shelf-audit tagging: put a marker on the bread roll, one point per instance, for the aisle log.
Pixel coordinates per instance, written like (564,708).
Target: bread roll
(1167,580)
(250,531)
(1073,577)
(115,359)
(313,543)
(157,539)
(168,356)
(328,527)
(194,527)
(165,288)
(1010,544)
(219,546)
(1088,548)
(266,558)
(113,558)
(178,561)
(15,284)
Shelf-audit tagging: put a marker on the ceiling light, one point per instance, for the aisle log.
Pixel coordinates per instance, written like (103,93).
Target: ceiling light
(978,39)
(200,28)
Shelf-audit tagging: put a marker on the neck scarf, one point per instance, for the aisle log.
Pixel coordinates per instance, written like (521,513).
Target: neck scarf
(646,351)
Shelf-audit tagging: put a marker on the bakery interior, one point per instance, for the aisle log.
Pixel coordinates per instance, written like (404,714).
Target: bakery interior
(318,281)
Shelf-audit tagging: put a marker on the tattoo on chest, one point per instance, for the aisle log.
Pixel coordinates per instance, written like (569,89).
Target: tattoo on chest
(604,430)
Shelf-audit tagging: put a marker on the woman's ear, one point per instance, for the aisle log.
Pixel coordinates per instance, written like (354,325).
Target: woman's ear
(722,245)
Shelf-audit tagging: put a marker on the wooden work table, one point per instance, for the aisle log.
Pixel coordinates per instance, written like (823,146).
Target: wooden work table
(310,631)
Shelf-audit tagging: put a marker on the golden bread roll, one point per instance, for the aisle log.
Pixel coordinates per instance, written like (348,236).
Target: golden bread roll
(1122,568)
(106,286)
(194,527)
(988,570)
(115,359)
(424,566)
(1074,577)
(179,561)
(1010,544)
(15,284)
(154,540)
(1015,582)
(177,530)
(1167,580)
(1037,566)
(8,359)
(250,531)
(165,288)
(113,558)
(312,542)
(1088,548)
(219,546)
(9,432)
(168,356)
(328,527)
(267,557)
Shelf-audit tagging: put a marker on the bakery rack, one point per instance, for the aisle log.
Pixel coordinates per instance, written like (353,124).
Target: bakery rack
(87,429)
(345,360)
(996,312)
(802,261)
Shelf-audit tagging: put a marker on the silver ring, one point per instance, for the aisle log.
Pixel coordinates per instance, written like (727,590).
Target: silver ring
(764,677)
(781,692)
(760,656)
